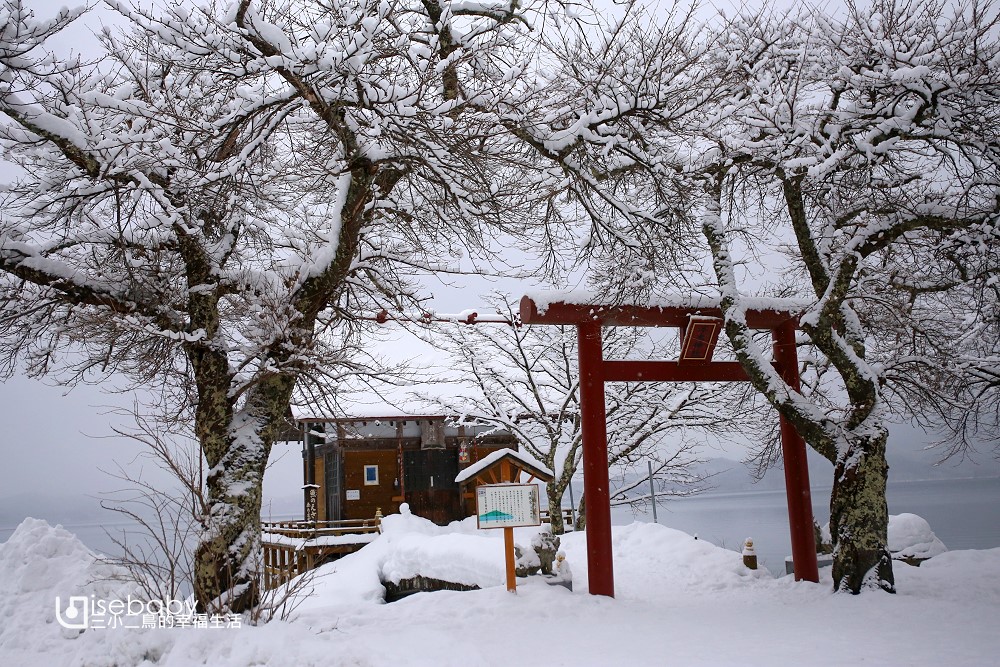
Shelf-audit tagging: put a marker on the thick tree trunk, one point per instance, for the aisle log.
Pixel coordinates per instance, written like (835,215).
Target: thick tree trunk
(555,492)
(859,518)
(227,558)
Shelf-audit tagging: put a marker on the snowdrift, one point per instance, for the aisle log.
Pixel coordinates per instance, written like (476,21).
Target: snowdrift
(679,600)
(911,537)
(38,564)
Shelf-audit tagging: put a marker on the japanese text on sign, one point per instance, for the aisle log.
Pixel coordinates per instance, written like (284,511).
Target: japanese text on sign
(507,505)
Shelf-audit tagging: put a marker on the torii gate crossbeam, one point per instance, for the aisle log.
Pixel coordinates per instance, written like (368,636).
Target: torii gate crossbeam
(595,371)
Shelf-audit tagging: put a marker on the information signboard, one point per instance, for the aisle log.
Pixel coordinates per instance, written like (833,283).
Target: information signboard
(507,505)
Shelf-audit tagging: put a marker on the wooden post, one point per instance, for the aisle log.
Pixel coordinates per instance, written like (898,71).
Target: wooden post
(652,489)
(508,545)
(749,555)
(311,504)
(507,474)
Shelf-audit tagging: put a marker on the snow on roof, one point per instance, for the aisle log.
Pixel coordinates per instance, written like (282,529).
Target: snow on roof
(409,401)
(487,461)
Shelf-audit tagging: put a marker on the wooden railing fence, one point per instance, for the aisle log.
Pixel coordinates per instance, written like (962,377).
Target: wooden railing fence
(304,549)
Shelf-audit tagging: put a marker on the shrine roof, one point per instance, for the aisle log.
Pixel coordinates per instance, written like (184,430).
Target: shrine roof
(518,459)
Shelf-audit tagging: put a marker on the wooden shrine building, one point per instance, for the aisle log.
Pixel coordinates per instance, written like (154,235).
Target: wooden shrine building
(355,465)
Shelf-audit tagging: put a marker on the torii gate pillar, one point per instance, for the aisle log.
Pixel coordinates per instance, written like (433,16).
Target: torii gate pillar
(593,422)
(793,454)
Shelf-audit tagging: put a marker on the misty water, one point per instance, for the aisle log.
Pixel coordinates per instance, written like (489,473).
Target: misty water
(964,514)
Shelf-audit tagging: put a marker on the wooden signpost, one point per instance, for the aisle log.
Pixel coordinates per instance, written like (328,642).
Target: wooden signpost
(312,501)
(508,506)
(503,503)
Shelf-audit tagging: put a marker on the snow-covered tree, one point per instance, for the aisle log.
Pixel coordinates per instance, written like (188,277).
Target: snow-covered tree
(865,149)
(619,94)
(204,208)
(525,381)
(872,139)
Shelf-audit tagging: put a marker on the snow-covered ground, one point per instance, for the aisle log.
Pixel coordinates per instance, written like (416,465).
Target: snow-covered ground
(679,601)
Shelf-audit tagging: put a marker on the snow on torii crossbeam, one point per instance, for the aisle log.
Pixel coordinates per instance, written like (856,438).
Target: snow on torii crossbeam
(699,322)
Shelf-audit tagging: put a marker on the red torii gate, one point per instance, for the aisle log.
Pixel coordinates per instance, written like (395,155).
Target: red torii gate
(699,332)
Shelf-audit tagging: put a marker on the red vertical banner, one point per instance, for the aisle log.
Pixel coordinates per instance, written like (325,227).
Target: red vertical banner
(593,417)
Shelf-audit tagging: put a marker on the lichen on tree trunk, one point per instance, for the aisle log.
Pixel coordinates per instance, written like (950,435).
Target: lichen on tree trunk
(859,518)
(226,576)
(227,559)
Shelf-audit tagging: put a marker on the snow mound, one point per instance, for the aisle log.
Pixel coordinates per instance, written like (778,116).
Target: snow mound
(674,595)
(462,559)
(650,559)
(458,552)
(408,523)
(963,577)
(408,546)
(38,564)
(910,536)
